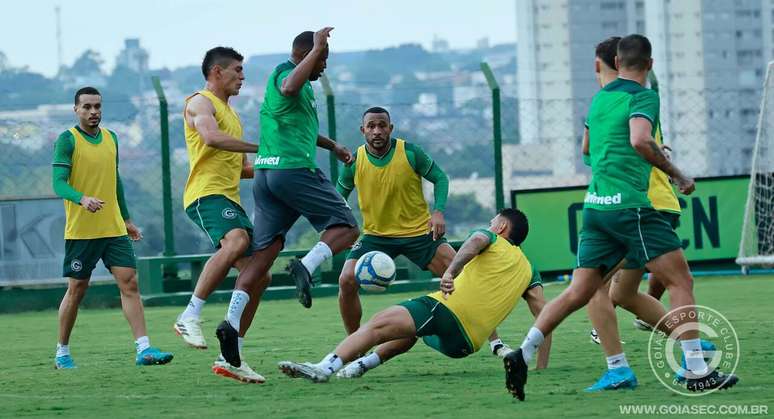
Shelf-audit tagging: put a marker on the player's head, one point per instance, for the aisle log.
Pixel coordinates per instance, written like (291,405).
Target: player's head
(88,106)
(222,67)
(511,224)
(377,128)
(604,61)
(634,54)
(302,45)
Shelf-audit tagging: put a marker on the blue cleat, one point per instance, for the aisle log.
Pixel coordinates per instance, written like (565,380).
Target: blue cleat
(617,378)
(153,356)
(64,362)
(709,351)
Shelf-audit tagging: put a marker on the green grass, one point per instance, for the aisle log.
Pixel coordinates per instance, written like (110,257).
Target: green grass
(422,383)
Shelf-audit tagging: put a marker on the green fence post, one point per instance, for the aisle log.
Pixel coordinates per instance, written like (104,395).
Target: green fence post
(330,106)
(166,178)
(498,135)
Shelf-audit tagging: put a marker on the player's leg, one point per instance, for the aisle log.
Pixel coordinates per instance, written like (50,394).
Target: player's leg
(349,299)
(390,324)
(378,356)
(655,286)
(312,195)
(624,292)
(536,302)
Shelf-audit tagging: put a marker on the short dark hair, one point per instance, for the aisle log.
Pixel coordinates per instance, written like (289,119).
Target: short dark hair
(376,109)
(607,50)
(88,90)
(221,56)
(519,225)
(634,51)
(304,41)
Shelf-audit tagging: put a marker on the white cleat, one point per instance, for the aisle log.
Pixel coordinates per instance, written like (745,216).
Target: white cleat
(306,370)
(354,369)
(244,373)
(190,329)
(642,325)
(595,336)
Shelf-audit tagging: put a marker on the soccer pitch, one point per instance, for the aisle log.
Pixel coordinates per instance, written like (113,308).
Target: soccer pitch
(422,383)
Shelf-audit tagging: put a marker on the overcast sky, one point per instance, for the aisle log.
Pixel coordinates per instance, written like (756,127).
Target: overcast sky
(177,32)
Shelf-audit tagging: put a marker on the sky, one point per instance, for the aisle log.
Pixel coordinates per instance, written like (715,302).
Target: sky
(177,32)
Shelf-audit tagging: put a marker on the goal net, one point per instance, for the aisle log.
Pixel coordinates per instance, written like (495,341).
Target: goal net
(757,243)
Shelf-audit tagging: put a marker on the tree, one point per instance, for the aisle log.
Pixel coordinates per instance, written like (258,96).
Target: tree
(88,63)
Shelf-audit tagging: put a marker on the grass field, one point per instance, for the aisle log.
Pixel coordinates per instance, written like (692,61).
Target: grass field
(422,383)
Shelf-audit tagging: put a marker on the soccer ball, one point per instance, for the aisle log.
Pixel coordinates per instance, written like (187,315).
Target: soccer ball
(375,271)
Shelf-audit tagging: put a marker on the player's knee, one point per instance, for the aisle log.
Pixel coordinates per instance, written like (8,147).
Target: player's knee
(577,297)
(77,289)
(347,283)
(129,287)
(236,242)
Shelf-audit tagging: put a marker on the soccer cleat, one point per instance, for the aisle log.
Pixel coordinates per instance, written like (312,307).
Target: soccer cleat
(515,373)
(713,380)
(595,336)
(64,362)
(243,373)
(642,325)
(615,379)
(708,349)
(229,343)
(306,370)
(190,329)
(354,369)
(303,280)
(153,356)
(501,349)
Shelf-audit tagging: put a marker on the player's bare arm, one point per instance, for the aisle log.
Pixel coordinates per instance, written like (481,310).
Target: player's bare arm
(472,247)
(248,170)
(645,145)
(132,230)
(296,79)
(200,114)
(342,152)
(585,143)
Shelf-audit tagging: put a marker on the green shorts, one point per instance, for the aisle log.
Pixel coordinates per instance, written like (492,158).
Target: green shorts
(535,281)
(81,256)
(673,219)
(217,215)
(438,327)
(636,234)
(420,249)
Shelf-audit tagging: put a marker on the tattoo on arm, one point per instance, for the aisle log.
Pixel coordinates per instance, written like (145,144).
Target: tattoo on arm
(467,252)
(657,158)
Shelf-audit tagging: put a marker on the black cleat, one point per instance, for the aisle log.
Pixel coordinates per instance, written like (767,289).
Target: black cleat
(303,280)
(515,373)
(229,343)
(713,380)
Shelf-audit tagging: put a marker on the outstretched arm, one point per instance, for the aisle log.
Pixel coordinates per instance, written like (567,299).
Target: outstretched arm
(293,83)
(200,114)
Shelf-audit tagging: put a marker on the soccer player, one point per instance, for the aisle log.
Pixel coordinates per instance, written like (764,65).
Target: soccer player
(619,221)
(98,226)
(217,160)
(288,183)
(387,173)
(478,291)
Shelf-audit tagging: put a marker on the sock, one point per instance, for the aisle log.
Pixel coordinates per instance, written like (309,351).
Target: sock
(531,343)
(694,356)
(241,344)
(371,360)
(331,363)
(319,254)
(617,361)
(142,343)
(494,344)
(237,305)
(62,350)
(194,308)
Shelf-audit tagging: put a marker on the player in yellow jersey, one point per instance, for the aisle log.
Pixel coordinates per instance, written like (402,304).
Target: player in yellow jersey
(98,226)
(479,289)
(216,153)
(387,173)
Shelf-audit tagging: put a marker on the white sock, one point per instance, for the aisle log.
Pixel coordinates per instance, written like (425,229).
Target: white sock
(319,254)
(694,356)
(617,361)
(62,350)
(331,363)
(194,308)
(371,360)
(142,343)
(237,305)
(531,343)
(494,343)
(241,341)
